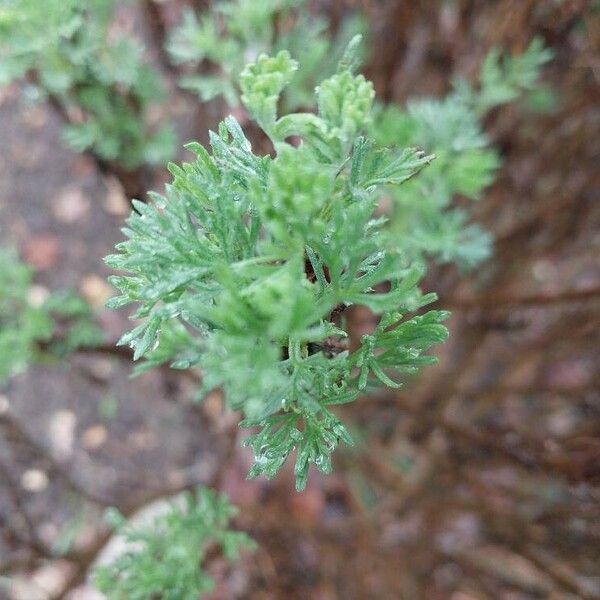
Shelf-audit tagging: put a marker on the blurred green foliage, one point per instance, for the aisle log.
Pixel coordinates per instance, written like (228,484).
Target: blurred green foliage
(34,324)
(164,558)
(232,33)
(70,53)
(424,212)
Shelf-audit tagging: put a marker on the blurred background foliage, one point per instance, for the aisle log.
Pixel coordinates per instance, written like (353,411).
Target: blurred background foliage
(480,480)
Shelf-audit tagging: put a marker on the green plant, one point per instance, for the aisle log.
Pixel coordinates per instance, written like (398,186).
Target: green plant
(164,558)
(423,212)
(34,324)
(246,267)
(233,32)
(66,52)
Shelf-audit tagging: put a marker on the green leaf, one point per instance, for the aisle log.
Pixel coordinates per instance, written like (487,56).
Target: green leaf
(262,83)
(240,269)
(164,558)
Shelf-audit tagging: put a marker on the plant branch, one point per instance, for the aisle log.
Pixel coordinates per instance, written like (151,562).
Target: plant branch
(492,301)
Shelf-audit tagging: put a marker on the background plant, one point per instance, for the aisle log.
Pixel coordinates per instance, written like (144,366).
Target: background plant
(164,557)
(424,211)
(216,45)
(36,325)
(66,52)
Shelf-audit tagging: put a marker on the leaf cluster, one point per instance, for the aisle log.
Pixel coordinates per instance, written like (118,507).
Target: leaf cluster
(504,78)
(215,46)
(65,50)
(29,321)
(246,266)
(164,558)
(466,164)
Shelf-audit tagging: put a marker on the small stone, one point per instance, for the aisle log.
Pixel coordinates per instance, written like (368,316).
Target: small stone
(35,117)
(85,592)
(34,480)
(37,295)
(101,368)
(115,201)
(143,440)
(543,270)
(52,577)
(93,437)
(70,205)
(62,433)
(19,588)
(95,290)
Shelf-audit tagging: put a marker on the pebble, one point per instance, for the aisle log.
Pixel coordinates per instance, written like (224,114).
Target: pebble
(34,480)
